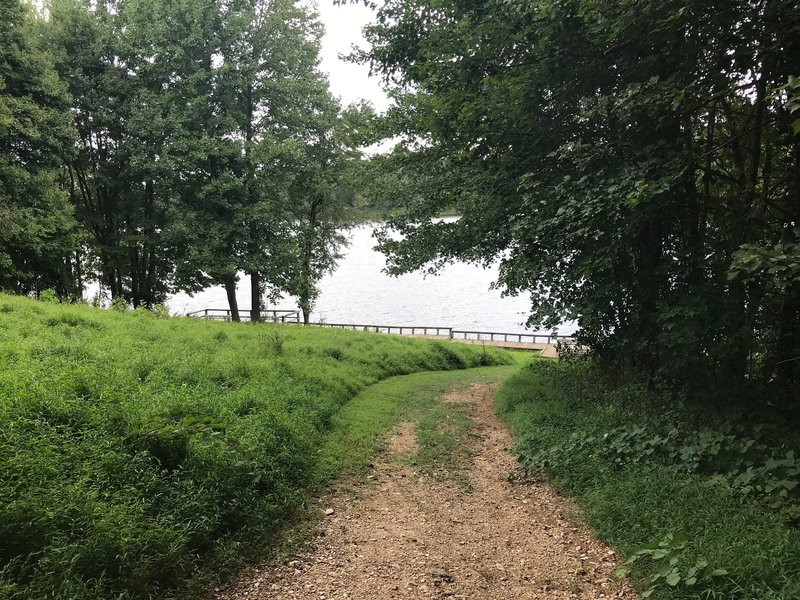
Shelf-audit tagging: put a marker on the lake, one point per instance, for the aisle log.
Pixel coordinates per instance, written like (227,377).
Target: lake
(360,292)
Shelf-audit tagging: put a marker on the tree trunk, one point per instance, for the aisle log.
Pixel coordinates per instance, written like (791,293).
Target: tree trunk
(230,290)
(149,279)
(78,276)
(788,343)
(648,291)
(136,291)
(255,297)
(788,338)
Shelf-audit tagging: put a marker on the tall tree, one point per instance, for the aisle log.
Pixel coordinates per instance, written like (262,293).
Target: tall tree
(38,232)
(628,162)
(272,54)
(327,170)
(263,88)
(118,82)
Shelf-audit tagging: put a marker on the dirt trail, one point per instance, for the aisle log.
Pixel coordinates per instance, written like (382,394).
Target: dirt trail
(410,536)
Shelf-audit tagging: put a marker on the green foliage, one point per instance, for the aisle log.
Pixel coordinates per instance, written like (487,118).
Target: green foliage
(36,136)
(118,178)
(119,304)
(632,164)
(668,572)
(49,295)
(684,492)
(142,456)
(161,311)
(208,143)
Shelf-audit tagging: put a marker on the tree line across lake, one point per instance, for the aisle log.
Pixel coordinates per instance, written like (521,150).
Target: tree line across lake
(169,145)
(635,164)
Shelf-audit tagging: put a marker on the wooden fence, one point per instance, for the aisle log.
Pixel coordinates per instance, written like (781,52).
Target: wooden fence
(519,338)
(396,329)
(492,337)
(456,334)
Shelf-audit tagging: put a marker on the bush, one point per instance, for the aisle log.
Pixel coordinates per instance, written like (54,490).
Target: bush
(703,507)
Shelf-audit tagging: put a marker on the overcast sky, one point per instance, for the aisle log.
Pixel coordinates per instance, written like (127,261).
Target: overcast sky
(342,30)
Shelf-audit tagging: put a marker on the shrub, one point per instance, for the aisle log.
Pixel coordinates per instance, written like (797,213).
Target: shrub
(703,507)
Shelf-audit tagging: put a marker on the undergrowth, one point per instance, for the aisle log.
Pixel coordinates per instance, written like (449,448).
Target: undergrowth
(142,456)
(703,501)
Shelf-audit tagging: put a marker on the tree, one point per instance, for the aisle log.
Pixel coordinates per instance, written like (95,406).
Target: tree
(266,89)
(38,228)
(119,84)
(327,166)
(617,157)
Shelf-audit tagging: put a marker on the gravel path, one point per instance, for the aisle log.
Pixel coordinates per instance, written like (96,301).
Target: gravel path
(409,536)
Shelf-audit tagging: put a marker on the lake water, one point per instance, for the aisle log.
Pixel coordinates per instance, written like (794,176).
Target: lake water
(360,292)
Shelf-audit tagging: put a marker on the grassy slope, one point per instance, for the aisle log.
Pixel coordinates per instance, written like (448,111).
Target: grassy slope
(598,448)
(135,452)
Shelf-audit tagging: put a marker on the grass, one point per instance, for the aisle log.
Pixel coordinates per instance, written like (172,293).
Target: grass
(141,457)
(683,500)
(358,430)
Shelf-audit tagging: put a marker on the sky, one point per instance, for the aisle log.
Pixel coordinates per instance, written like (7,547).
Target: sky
(343,30)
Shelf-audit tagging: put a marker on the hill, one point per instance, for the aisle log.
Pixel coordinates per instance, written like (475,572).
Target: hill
(136,451)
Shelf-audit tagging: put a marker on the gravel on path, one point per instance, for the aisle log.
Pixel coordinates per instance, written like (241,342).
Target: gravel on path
(405,535)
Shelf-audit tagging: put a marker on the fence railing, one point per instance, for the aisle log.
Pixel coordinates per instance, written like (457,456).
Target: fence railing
(267,315)
(456,334)
(518,338)
(396,329)
(293,316)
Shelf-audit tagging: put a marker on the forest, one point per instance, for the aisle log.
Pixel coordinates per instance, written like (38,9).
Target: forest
(162,146)
(635,164)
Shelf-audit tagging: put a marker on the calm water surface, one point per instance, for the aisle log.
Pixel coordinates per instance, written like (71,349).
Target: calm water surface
(359,292)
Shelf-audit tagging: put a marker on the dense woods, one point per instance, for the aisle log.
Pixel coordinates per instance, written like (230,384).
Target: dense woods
(158,146)
(636,165)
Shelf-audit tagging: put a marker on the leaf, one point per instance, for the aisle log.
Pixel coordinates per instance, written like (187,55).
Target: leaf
(796,126)
(718,572)
(674,579)
(680,539)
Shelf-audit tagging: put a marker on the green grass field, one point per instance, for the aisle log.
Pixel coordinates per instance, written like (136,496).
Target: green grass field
(704,502)
(141,457)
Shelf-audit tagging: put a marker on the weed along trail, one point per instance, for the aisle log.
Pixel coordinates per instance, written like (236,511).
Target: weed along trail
(438,517)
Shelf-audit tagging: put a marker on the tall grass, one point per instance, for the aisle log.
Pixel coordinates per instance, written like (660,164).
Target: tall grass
(137,453)
(704,507)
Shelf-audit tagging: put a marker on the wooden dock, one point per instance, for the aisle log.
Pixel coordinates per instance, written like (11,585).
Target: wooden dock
(545,344)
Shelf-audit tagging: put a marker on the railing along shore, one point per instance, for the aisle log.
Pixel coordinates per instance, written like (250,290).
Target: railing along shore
(293,316)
